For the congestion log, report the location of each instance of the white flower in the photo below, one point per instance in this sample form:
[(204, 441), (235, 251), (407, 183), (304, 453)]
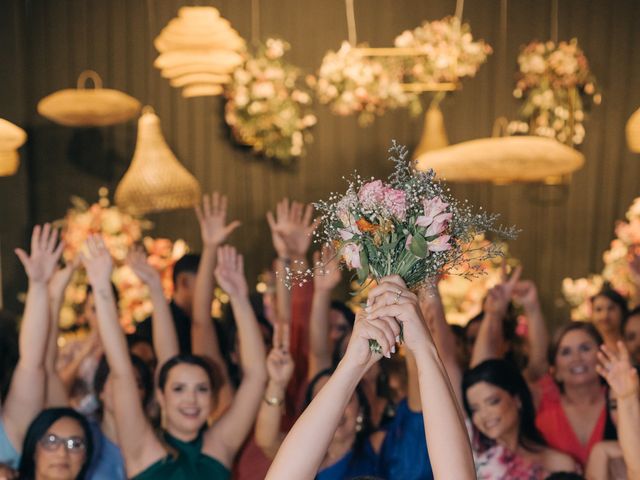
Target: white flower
[(263, 90)]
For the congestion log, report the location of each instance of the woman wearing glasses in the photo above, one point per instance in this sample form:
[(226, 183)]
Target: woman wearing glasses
[(57, 445)]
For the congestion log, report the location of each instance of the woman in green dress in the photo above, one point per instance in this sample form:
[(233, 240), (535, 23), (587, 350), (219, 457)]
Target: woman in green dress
[(190, 449)]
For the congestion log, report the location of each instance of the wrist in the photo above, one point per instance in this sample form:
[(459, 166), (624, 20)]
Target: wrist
[(275, 389)]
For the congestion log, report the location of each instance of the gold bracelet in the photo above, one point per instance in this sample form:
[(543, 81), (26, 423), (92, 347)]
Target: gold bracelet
[(273, 401)]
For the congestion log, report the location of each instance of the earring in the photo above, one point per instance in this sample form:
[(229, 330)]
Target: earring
[(359, 422)]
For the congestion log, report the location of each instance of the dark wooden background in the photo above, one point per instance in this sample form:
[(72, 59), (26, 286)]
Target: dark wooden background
[(45, 44)]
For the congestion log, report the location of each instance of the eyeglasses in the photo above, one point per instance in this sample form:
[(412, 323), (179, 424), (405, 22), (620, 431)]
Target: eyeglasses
[(51, 443)]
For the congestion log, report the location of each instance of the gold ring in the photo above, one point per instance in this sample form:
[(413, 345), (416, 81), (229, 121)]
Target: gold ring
[(398, 295)]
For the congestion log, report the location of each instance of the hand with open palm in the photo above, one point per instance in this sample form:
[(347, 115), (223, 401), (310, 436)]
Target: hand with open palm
[(291, 229), (212, 217), (41, 263)]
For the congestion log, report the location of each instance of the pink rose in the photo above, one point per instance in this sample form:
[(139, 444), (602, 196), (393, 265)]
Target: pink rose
[(439, 224), (351, 255), (432, 208), (371, 194), (395, 201), (440, 244)]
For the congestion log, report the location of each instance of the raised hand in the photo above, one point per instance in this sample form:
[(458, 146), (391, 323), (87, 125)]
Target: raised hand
[(327, 275), (137, 261), (97, 261), (498, 297), (44, 257), (230, 272), (62, 276), (212, 216), (291, 229), (525, 293), (279, 362), (618, 371)]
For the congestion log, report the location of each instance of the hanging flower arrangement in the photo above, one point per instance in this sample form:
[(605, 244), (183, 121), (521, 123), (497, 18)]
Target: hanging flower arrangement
[(449, 51), (557, 87), (120, 231), (268, 106), (352, 83), (617, 270)]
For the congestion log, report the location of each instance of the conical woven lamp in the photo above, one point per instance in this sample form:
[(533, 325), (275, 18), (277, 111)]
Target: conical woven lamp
[(434, 136), (633, 132), (12, 137), (88, 107), (155, 180), (504, 160), (199, 51)]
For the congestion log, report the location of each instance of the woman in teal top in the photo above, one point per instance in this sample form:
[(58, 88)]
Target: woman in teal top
[(186, 387)]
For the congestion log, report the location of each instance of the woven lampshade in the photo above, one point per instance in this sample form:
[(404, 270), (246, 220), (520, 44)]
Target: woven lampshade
[(633, 132), (434, 136), (88, 107), (155, 180), (198, 51), (12, 137), (504, 160)]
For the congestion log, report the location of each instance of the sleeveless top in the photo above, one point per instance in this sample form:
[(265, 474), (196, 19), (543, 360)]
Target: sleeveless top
[(352, 464), (553, 423), (189, 464)]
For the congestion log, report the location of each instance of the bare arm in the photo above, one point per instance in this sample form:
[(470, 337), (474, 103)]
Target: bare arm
[(450, 454), (225, 437), (27, 391), (317, 424), (280, 368), (137, 440), (526, 294), (165, 340)]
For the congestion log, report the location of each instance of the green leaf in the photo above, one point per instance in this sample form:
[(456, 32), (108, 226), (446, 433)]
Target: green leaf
[(363, 272), (418, 246)]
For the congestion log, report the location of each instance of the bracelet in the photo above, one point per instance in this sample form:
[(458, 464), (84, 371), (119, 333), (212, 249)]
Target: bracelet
[(273, 401)]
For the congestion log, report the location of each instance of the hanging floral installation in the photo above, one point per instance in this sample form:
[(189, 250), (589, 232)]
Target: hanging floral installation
[(447, 50), (557, 87), (353, 83), (618, 272), (120, 231), (269, 106)]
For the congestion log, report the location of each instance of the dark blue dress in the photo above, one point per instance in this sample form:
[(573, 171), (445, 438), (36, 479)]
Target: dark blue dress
[(353, 464)]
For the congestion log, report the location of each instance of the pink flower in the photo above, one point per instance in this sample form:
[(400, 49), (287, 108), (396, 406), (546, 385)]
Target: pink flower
[(371, 194), (439, 224), (432, 208), (346, 233), (351, 255), (395, 201), (407, 243), (440, 244)]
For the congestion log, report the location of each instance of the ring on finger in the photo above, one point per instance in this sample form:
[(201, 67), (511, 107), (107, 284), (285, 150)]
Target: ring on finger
[(397, 297)]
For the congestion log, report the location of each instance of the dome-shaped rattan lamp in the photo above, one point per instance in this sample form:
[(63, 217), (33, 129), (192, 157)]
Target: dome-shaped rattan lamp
[(633, 132), (88, 107), (156, 180), (12, 137), (502, 160), (434, 136)]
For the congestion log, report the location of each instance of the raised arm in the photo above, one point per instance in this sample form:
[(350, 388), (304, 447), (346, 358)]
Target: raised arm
[(280, 367), (490, 341), (165, 340), (324, 281), (622, 377), (225, 437), (525, 293), (316, 426), (212, 217), (27, 391), (450, 453), (56, 392), (136, 437)]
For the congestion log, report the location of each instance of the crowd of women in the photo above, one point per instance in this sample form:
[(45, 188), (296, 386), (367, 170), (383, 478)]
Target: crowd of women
[(286, 386)]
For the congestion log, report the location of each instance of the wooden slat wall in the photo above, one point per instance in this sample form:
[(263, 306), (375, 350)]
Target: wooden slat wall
[(54, 40)]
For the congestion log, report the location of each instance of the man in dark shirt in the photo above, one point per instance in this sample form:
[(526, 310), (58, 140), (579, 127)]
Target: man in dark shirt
[(184, 281)]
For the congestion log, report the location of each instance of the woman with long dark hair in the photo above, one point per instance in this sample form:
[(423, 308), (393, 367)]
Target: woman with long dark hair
[(57, 445), (609, 308), (506, 442)]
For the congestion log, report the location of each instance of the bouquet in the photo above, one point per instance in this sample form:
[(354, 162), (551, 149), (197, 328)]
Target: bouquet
[(268, 107), (409, 226)]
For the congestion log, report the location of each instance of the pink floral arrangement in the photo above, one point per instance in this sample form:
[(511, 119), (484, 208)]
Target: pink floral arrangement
[(557, 86), (120, 231)]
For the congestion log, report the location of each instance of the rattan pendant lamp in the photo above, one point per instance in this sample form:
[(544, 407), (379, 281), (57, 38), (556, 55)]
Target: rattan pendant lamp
[(12, 137)]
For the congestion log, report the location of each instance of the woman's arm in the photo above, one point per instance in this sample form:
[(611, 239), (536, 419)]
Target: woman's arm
[(27, 391), (450, 452), (165, 340), (136, 437), (316, 426), (324, 282), (598, 463), (280, 368), (622, 377), (212, 217), (225, 437)]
